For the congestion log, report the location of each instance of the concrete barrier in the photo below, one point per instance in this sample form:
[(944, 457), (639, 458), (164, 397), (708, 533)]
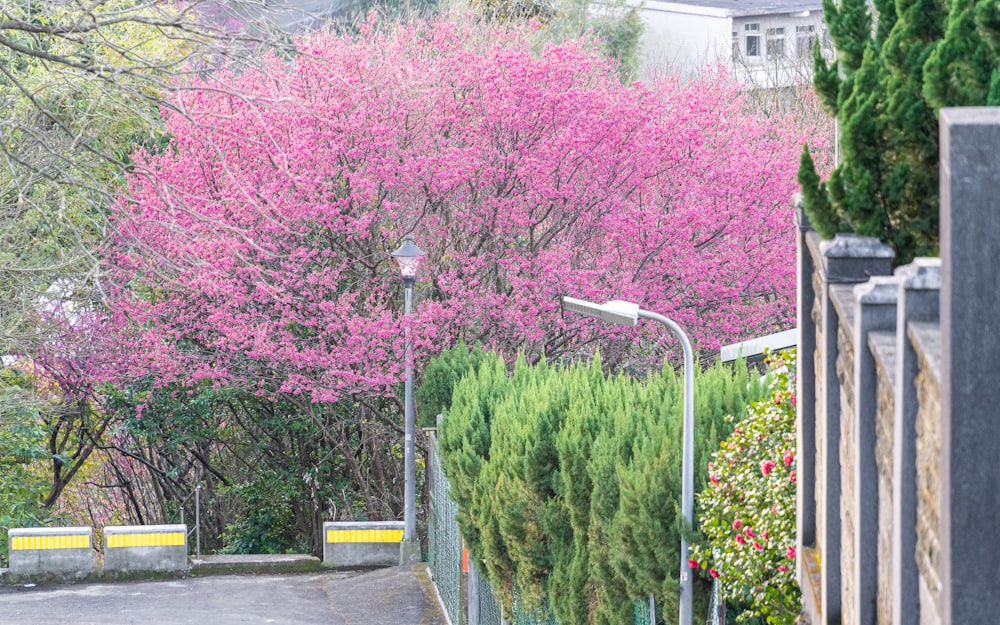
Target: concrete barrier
[(145, 548), (361, 543), (59, 551)]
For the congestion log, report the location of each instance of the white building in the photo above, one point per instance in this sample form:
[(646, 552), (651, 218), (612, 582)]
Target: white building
[(767, 43)]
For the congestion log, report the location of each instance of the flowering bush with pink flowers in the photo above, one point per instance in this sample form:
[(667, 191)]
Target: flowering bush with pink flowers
[(748, 511)]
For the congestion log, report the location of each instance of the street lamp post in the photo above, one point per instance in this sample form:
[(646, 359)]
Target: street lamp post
[(408, 256), (628, 314)]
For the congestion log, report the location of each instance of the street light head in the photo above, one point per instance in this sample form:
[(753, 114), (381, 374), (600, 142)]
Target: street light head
[(408, 256), (617, 311)]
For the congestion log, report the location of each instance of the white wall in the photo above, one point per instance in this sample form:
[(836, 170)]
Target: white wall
[(677, 41), (686, 39)]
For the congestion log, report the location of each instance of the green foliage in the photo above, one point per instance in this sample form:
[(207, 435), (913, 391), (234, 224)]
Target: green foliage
[(568, 482), (266, 522), (748, 513), (270, 475), (960, 69), (23, 455), (442, 373), (617, 24), (885, 90), (465, 440)]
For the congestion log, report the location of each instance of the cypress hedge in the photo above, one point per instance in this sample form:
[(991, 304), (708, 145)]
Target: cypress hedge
[(569, 481)]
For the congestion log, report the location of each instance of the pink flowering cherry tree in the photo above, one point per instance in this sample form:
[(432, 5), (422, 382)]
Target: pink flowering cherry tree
[(254, 249)]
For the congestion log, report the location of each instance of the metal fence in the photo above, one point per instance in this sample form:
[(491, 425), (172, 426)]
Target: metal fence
[(717, 609), (444, 542), (445, 559)]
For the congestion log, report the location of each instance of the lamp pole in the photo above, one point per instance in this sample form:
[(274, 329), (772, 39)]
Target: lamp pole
[(628, 314), (408, 256)]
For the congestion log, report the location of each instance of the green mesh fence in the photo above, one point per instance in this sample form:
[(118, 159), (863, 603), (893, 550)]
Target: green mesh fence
[(489, 608), (640, 613), (445, 548), (445, 559)]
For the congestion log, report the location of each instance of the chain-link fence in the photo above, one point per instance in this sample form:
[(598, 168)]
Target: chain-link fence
[(490, 612), (444, 542), (445, 558), (717, 609)]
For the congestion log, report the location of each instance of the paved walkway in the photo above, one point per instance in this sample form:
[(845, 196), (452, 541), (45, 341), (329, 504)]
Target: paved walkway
[(392, 596)]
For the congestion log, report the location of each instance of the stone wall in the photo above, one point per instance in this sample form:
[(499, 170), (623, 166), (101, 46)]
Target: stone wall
[(883, 346), (848, 461), (898, 396), (855, 496), (926, 339)]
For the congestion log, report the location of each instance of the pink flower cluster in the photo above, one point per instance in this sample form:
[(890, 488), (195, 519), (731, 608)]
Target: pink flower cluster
[(255, 251)]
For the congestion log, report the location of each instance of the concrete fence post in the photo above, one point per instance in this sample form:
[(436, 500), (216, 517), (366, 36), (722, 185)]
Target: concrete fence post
[(919, 301), (874, 311), (970, 352), (473, 592), (844, 260), (805, 453)]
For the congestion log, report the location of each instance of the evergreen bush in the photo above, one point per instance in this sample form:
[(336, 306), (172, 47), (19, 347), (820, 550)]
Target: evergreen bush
[(568, 481)]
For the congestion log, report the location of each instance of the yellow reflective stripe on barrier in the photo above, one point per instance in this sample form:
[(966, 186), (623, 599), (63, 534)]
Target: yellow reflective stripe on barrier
[(160, 539), (66, 541), (364, 536)]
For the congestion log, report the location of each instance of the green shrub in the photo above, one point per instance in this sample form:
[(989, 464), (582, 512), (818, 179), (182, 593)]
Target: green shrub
[(748, 514), (568, 482)]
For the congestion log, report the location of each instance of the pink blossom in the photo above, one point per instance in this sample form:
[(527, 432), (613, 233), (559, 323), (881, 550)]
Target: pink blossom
[(713, 573), (740, 539), (749, 532), (782, 568), (766, 466), (692, 563), (791, 475), (758, 546), (789, 458), (265, 229), (737, 524), (790, 552)]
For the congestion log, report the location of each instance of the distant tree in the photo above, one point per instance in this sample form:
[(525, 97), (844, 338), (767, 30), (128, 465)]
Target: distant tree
[(255, 250), (964, 67), (81, 87)]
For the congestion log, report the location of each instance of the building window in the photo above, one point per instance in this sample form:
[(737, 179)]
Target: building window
[(736, 46), (775, 43), (804, 38), (753, 39)]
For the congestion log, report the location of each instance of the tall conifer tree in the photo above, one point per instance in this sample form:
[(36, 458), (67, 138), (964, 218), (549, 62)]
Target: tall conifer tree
[(885, 90)]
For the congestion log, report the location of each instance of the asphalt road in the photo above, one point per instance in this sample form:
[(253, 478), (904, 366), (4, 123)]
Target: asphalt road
[(393, 596)]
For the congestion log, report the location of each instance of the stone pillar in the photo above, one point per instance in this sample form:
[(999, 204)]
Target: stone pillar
[(970, 351), (846, 259), (874, 311), (805, 447), (919, 300)]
